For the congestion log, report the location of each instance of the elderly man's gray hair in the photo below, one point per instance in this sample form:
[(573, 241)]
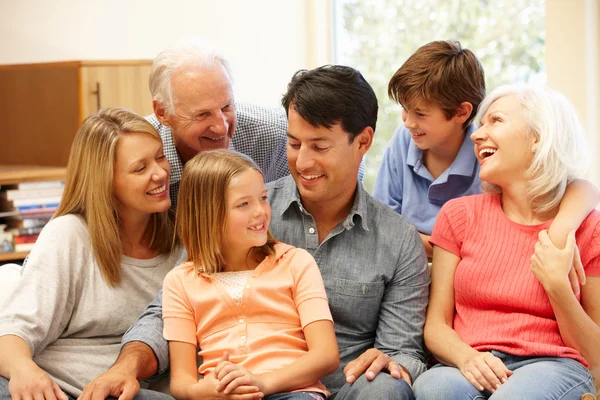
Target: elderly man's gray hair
[(188, 54)]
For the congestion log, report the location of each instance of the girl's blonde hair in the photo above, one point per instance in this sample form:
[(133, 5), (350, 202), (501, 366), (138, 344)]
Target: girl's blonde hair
[(89, 188), (202, 208)]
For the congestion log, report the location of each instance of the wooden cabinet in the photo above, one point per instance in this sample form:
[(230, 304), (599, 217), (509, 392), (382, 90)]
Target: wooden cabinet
[(15, 174), (43, 104)]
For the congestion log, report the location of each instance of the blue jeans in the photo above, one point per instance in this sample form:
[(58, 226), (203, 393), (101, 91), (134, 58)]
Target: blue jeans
[(142, 395), (295, 396), (533, 378), (383, 387)]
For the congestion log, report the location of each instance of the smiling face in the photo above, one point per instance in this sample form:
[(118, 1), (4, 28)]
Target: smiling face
[(248, 213), (322, 161), (503, 144), (429, 127), (204, 117), (141, 175)]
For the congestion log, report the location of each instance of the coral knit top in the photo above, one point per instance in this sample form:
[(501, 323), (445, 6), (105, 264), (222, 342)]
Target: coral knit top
[(499, 303)]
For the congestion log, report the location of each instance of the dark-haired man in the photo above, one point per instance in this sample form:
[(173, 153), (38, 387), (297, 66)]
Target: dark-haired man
[(372, 261)]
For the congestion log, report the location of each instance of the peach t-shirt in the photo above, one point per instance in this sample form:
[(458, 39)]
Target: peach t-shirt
[(264, 332)]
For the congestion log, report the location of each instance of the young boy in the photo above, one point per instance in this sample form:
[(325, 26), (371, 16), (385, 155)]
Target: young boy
[(430, 159)]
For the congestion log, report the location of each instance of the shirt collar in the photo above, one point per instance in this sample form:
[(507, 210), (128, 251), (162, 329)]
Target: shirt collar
[(291, 200), (464, 163)]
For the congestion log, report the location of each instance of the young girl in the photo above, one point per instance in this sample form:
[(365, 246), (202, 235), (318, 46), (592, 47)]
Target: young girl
[(256, 308)]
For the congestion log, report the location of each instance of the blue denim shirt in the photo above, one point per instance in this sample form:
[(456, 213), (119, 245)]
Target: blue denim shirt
[(404, 183), (375, 274)]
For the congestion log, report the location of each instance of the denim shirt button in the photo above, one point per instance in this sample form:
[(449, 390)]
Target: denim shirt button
[(311, 230)]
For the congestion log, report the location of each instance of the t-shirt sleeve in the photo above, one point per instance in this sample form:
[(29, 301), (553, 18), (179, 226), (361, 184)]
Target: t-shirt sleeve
[(178, 313), (390, 180), (38, 309), (450, 227), (590, 254), (309, 291)]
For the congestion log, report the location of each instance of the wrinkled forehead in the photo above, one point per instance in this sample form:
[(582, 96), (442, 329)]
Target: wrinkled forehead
[(201, 89)]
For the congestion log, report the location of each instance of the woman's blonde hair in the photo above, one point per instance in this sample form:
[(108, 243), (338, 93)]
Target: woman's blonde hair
[(561, 152), (89, 188), (202, 208)]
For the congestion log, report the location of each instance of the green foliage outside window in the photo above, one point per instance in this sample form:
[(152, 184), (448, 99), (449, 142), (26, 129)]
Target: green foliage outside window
[(377, 36)]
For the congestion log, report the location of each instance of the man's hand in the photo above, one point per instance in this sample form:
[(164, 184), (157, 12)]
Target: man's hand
[(28, 381), (116, 382), (372, 362)]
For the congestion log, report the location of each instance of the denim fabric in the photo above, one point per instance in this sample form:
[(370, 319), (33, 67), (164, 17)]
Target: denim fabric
[(404, 183), (295, 396), (375, 274), (383, 387), (534, 378)]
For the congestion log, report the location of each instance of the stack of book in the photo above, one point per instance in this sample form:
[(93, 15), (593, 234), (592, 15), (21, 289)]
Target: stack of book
[(25, 208)]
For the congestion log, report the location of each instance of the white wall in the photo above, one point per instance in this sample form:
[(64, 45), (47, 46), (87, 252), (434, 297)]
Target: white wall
[(265, 40), (572, 62)]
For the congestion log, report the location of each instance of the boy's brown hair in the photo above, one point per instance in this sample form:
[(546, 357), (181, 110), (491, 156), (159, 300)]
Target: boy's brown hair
[(442, 74)]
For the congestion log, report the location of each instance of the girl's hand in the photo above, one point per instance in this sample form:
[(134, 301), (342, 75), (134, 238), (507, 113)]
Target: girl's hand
[(550, 265), (28, 381), (485, 371), (210, 381), (232, 376)]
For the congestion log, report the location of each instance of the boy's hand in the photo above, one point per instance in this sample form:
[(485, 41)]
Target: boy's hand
[(552, 266), (577, 273)]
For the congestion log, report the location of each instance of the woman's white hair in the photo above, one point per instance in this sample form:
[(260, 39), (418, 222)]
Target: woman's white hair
[(561, 152), (188, 54)]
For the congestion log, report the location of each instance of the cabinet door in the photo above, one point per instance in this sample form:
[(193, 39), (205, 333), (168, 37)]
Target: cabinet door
[(123, 86), (39, 105)]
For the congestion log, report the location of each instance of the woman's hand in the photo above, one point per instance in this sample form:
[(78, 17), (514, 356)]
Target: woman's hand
[(485, 371), (231, 376), (28, 381), (551, 265)]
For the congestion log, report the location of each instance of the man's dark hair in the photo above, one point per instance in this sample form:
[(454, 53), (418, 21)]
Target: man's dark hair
[(330, 95)]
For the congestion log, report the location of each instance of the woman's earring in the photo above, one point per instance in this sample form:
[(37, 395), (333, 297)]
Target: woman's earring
[(534, 149)]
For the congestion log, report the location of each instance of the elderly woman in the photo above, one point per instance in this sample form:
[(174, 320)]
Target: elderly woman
[(502, 319), (96, 264)]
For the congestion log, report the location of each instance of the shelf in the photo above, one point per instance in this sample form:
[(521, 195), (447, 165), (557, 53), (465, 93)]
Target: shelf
[(13, 174), (14, 256)]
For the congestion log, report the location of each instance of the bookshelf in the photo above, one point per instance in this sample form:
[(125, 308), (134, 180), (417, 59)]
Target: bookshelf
[(14, 174)]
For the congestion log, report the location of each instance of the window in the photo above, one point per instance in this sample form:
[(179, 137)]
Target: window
[(377, 36)]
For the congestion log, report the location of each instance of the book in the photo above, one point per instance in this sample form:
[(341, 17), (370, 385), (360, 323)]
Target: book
[(34, 201), (20, 239), (17, 194), (23, 247), (40, 185)]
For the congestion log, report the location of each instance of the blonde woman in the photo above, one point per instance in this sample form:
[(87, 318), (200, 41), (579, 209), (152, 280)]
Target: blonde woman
[(256, 308), (503, 319), (96, 264)]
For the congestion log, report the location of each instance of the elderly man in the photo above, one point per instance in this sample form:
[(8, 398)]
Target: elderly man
[(372, 261), (195, 110)]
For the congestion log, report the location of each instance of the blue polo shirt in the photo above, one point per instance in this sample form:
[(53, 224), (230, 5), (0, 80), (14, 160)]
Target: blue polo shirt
[(405, 184)]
